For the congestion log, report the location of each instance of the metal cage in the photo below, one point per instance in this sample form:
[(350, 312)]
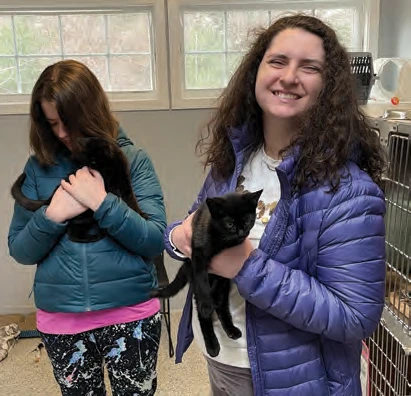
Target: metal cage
[(388, 351), (396, 137), (389, 367)]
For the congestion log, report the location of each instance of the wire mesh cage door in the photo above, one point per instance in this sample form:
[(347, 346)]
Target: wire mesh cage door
[(388, 360), (398, 225), (389, 349)]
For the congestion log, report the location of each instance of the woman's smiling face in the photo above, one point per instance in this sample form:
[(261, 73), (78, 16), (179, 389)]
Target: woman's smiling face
[(289, 78)]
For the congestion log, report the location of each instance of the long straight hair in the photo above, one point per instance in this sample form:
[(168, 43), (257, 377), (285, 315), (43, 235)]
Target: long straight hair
[(81, 103)]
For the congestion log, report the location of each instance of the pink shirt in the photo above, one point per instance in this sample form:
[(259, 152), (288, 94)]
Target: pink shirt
[(78, 322)]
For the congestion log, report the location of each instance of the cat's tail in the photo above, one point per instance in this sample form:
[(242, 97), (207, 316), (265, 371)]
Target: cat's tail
[(181, 279), (27, 203)]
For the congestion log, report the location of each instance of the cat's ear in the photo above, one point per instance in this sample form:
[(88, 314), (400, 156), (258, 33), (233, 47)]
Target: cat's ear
[(255, 196), (214, 206)]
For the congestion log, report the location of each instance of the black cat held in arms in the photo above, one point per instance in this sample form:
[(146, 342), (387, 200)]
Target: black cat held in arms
[(106, 157), (218, 224)]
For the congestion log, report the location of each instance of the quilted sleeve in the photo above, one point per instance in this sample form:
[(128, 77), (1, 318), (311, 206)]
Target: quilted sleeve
[(32, 235), (138, 235), (345, 299)]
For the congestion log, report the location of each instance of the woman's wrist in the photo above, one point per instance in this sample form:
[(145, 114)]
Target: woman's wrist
[(97, 203), (54, 216)]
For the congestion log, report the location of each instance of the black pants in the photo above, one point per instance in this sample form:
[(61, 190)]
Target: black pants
[(128, 350)]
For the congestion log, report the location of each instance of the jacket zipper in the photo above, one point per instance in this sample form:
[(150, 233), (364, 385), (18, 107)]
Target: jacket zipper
[(252, 352)]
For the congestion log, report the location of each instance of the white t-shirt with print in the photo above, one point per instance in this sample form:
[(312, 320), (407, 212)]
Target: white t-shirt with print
[(259, 173)]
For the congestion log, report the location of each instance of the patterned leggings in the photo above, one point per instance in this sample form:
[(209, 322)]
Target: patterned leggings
[(128, 350)]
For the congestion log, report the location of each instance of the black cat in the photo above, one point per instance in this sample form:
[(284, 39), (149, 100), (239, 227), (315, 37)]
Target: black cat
[(218, 224), (106, 157)]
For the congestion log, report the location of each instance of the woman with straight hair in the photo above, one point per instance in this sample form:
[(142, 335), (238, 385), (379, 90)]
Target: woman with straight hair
[(93, 298)]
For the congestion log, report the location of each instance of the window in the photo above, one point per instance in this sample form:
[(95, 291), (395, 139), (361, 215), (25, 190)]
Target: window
[(209, 38), (124, 45)]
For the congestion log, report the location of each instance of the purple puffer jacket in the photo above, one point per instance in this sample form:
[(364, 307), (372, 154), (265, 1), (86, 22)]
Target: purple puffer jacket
[(314, 287)]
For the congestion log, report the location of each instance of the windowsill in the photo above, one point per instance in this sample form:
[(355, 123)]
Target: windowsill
[(117, 105)]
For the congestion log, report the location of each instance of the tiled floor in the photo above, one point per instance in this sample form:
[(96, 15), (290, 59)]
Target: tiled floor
[(21, 376)]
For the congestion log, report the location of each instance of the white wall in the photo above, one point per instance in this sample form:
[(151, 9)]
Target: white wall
[(395, 29)]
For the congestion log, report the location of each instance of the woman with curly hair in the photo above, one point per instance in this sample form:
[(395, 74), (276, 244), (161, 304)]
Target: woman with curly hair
[(308, 282)]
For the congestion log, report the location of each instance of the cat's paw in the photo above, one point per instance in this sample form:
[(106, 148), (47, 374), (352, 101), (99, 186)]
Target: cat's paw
[(234, 333), (206, 308), (214, 349)]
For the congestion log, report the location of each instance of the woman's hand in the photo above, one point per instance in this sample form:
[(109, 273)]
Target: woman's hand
[(230, 261), (87, 187), (64, 207), (181, 236)]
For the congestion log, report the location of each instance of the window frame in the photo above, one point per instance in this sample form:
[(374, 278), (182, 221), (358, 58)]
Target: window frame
[(182, 98), (158, 99)]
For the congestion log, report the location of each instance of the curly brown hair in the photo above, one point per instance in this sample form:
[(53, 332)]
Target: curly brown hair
[(81, 103), (332, 131)]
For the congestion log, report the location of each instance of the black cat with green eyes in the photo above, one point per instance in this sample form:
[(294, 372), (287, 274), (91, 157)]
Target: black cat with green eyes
[(218, 224)]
